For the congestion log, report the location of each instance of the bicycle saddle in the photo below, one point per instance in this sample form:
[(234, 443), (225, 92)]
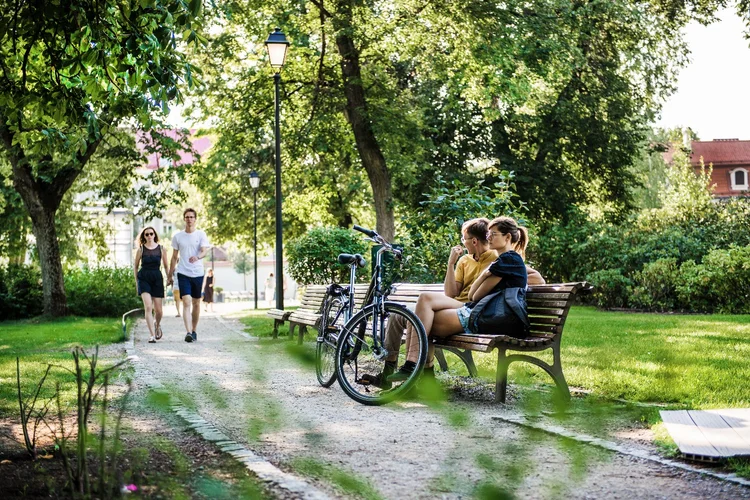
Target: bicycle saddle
[(348, 259)]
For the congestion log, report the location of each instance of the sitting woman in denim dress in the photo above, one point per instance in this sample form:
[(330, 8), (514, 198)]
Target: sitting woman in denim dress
[(443, 316)]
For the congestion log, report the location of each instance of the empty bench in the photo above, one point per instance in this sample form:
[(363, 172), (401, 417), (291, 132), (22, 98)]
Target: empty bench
[(311, 308), (548, 307)]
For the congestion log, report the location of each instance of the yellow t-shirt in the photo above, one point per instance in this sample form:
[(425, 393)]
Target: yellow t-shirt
[(468, 270)]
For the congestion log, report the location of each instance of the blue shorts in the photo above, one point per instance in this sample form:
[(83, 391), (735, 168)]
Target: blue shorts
[(463, 317), (190, 286)]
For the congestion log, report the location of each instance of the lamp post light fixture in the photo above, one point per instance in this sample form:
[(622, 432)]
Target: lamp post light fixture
[(254, 183), (277, 46)]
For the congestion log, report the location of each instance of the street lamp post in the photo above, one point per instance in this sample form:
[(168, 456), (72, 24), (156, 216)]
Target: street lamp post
[(254, 183), (277, 46)]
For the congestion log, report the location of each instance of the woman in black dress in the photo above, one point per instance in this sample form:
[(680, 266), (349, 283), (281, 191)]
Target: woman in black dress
[(208, 290), (148, 279)]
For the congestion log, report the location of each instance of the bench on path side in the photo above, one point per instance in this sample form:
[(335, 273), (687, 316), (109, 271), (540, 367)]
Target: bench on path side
[(548, 307), (311, 305)]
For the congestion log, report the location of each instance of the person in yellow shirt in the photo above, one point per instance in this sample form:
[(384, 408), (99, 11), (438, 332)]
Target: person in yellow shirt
[(462, 271)]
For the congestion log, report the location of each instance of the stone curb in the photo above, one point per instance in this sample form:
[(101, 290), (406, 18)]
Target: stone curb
[(255, 463), (556, 430)]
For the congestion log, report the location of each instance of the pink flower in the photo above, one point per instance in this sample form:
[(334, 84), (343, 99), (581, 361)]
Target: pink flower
[(132, 487)]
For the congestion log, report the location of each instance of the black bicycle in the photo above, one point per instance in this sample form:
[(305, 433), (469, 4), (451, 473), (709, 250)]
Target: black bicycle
[(371, 343)]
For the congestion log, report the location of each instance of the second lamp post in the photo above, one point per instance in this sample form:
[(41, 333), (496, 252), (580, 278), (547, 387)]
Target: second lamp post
[(254, 183), (277, 46)]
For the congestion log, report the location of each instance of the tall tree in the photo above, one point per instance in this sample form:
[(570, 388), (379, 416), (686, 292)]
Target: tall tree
[(70, 73), (558, 91)]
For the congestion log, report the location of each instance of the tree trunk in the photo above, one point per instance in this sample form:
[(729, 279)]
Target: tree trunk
[(42, 210), (42, 193), (357, 115)]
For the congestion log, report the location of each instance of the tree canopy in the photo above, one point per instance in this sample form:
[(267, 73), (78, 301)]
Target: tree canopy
[(380, 97), (71, 73)]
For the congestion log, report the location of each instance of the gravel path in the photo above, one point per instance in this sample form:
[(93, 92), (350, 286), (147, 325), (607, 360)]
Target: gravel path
[(260, 394)]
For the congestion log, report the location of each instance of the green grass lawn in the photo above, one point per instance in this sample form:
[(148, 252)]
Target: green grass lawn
[(701, 361), (41, 342)]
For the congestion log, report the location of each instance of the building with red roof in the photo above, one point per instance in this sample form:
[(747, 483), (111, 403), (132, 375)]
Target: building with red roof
[(730, 159)]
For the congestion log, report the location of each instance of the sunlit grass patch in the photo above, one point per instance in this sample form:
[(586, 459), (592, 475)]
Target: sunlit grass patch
[(695, 360), (38, 343)]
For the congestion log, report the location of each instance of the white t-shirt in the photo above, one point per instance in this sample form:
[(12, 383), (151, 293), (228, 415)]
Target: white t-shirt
[(189, 245)]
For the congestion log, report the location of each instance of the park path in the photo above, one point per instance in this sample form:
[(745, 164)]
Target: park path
[(261, 395)]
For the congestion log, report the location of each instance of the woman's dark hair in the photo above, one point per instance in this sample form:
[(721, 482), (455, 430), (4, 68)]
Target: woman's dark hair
[(519, 235), (477, 228), (142, 237)]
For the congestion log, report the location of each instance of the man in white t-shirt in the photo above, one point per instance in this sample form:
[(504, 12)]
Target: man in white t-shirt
[(189, 246)]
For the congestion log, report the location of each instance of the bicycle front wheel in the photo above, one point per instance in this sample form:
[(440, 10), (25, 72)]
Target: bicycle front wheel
[(331, 322), (361, 363)]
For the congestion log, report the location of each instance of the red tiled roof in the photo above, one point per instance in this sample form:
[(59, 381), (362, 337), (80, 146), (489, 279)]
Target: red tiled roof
[(721, 152), (200, 144)]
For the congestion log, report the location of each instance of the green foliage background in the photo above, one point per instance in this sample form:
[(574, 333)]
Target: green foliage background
[(312, 256)]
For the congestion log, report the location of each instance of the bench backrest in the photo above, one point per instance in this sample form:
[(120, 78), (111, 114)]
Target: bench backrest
[(548, 307), (548, 304), (314, 295)]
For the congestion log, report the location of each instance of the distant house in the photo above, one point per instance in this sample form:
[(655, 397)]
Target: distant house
[(730, 159)]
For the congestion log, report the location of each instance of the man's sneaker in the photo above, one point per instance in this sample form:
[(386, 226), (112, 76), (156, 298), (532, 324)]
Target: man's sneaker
[(403, 373), (195, 336), (381, 379), (188, 337)]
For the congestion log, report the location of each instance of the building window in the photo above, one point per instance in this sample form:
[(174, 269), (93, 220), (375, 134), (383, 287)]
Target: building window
[(738, 177)]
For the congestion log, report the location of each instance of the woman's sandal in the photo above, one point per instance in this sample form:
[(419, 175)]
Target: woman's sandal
[(159, 333), (151, 340)]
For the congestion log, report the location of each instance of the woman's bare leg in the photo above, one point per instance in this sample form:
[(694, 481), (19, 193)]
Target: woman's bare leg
[(437, 312), (148, 307), (159, 312)]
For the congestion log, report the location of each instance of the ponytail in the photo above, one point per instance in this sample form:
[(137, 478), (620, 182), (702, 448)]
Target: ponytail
[(519, 235)]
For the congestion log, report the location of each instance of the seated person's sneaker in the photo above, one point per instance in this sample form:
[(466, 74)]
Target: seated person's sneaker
[(379, 380), (403, 373)]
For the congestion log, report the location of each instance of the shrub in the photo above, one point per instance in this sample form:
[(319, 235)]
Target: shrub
[(101, 291), (20, 292), (313, 256), (655, 288), (611, 288), (729, 282), (693, 288)]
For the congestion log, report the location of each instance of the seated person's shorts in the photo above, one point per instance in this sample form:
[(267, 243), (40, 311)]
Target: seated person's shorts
[(192, 286), (463, 317)]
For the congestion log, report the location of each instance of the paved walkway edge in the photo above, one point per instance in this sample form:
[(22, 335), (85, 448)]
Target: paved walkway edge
[(619, 448), (255, 463)]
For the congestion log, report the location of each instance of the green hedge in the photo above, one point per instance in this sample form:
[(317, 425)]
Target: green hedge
[(102, 291), (20, 292), (720, 283), (313, 256)]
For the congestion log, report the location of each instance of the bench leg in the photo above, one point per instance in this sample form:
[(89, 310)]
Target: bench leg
[(276, 323), (465, 356), (292, 326), (554, 371), (440, 357), (501, 383), (302, 332)]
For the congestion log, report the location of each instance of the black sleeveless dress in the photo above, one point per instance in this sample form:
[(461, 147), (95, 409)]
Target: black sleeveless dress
[(208, 292), (150, 279)]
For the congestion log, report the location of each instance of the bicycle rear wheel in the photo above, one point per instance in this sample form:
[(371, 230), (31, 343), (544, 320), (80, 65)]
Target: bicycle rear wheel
[(360, 364), (331, 321)]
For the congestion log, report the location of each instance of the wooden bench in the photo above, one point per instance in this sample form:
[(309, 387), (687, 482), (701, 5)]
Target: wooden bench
[(548, 307), (311, 305)]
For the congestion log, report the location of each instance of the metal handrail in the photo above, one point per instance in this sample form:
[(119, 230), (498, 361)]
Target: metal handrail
[(124, 316)]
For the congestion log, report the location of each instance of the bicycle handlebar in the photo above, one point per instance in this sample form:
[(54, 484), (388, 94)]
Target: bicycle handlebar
[(378, 239), (368, 232)]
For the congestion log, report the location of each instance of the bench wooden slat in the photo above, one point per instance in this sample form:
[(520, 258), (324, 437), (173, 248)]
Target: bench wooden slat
[(533, 302), (545, 312)]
